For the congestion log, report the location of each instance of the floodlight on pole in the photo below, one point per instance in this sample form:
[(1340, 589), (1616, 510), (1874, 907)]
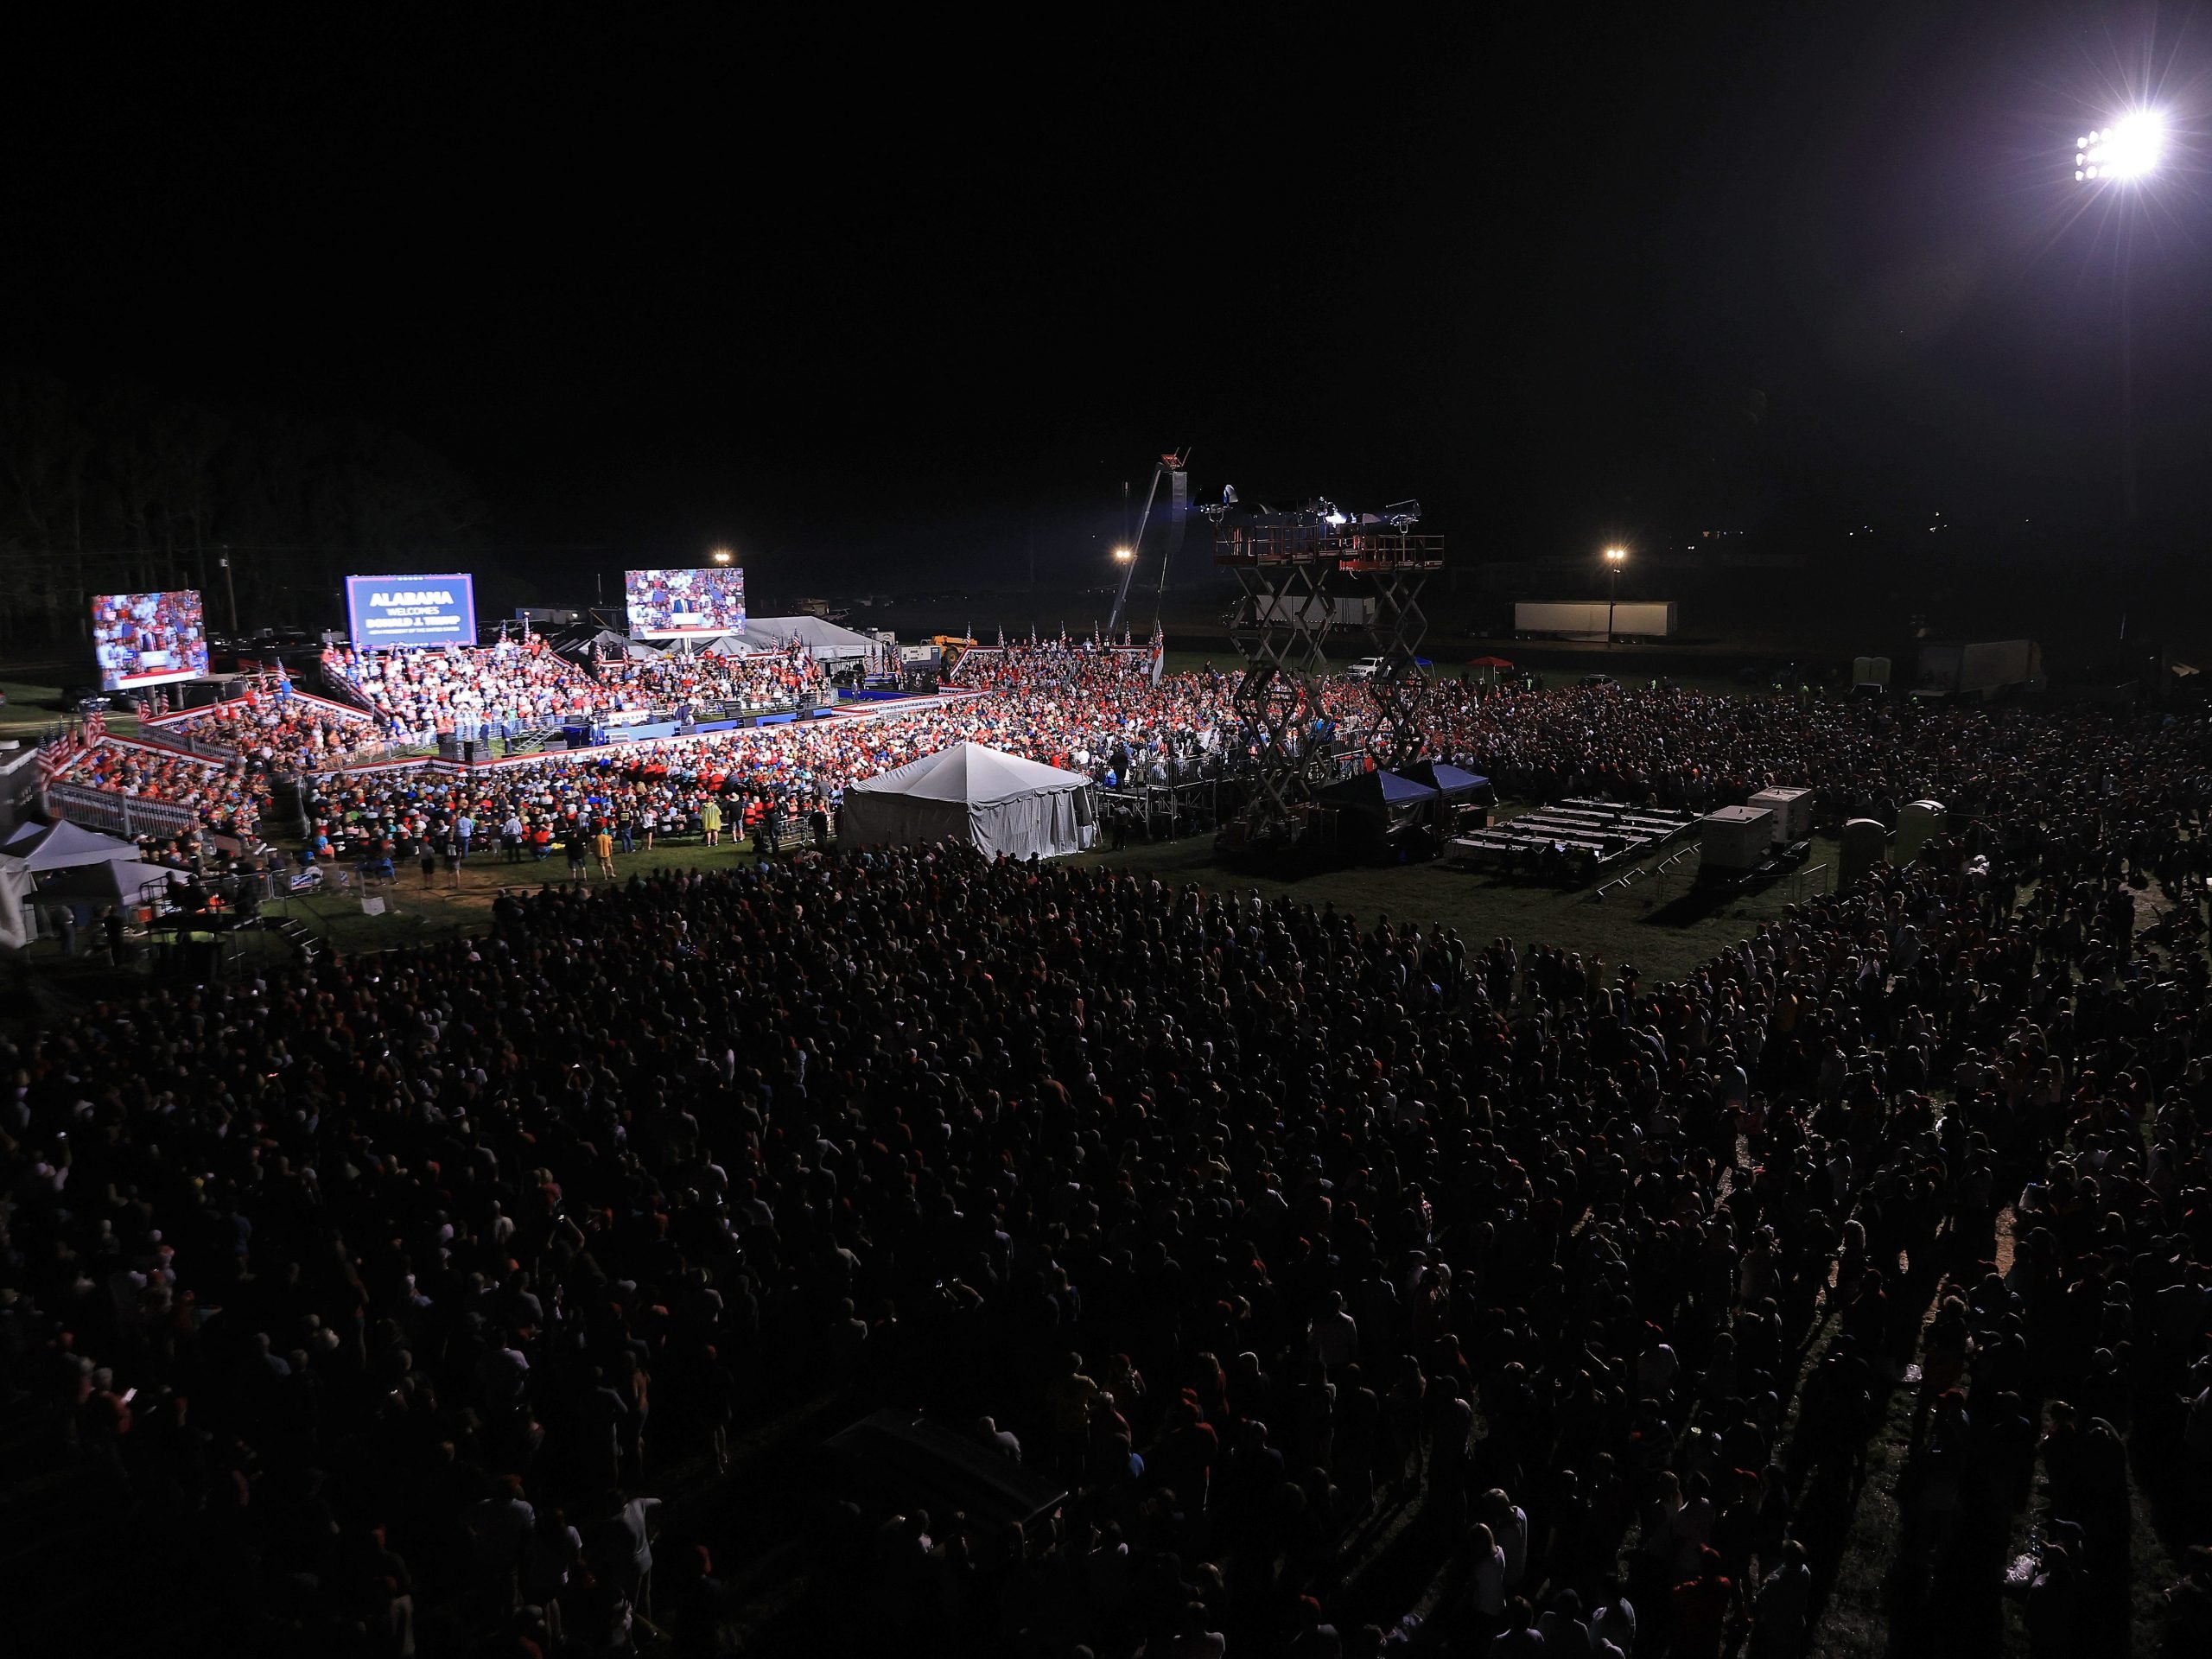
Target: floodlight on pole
[(1123, 555), (2131, 148), (721, 555), (1615, 557), (2128, 152)]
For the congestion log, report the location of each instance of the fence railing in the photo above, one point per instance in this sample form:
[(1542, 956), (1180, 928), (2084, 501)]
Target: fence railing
[(1161, 811), (162, 737), (125, 815)]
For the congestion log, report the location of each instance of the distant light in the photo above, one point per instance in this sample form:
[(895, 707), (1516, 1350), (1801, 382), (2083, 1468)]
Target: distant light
[(721, 555), (2131, 148), (1122, 555)]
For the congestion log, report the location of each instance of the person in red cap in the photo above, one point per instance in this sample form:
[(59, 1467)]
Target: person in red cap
[(1701, 1608)]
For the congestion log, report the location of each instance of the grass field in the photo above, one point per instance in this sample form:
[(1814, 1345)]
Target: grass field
[(31, 708)]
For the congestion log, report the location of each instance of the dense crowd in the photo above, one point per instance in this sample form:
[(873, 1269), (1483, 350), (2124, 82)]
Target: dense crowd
[(228, 796), (788, 773), (1080, 665), (425, 692), (1365, 1287), (517, 685), (1680, 748), (1066, 707), (682, 680), (275, 732)]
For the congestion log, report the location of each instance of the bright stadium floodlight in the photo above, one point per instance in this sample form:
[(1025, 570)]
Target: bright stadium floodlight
[(2131, 152), (1123, 555), (1615, 557), (2129, 149), (721, 555)]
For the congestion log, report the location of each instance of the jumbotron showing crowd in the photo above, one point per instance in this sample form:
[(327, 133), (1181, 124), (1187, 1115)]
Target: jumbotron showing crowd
[(1366, 1288)]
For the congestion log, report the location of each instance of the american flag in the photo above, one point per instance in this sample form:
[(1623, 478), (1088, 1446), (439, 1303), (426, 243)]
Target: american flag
[(56, 754)]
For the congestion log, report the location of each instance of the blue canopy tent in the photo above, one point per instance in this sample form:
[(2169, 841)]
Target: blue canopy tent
[(1382, 815), (1455, 784)]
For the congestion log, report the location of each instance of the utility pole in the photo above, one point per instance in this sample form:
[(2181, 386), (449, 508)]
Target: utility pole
[(231, 582)]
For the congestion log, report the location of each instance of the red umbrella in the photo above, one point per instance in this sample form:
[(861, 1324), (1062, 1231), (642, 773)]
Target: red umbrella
[(1490, 662)]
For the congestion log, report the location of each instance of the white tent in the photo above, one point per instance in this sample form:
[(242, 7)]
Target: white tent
[(824, 640), (996, 802), (14, 888), (124, 879), (592, 645), (65, 845)]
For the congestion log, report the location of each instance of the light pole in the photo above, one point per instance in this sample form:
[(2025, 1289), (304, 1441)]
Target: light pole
[(2122, 156), (1615, 557), (230, 583)]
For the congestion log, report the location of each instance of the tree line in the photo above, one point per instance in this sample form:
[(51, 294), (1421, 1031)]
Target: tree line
[(125, 490)]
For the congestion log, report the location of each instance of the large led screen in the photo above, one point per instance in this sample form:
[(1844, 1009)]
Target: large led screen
[(384, 611), (147, 638), (681, 604)]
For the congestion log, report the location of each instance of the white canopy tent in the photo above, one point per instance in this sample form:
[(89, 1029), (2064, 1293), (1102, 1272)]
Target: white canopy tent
[(14, 888), (824, 640), (620, 645), (996, 801), (64, 845), (127, 880)]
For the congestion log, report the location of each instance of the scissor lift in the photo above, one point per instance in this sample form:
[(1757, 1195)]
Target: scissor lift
[(1293, 568)]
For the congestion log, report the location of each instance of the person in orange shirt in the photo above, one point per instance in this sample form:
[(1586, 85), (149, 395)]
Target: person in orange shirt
[(603, 847)]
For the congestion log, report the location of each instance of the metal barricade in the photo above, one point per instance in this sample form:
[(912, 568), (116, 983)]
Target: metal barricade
[(1161, 811), (125, 815)]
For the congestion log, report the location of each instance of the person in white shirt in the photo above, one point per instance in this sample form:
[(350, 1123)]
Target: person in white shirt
[(1486, 1580), (1509, 1525), (1335, 1338)]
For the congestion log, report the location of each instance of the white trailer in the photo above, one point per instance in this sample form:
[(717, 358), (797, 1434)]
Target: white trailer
[(1987, 666), (1735, 838), (1587, 618), (1792, 810)]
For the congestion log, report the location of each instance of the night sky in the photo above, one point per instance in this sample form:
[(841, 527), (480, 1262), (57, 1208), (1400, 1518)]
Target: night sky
[(908, 292)]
